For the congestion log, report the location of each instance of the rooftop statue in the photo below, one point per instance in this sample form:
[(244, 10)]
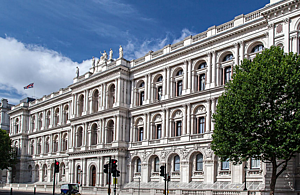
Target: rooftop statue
[(77, 72), (93, 62), (121, 52), (110, 54)]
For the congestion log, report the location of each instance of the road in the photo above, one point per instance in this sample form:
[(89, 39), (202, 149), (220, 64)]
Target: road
[(16, 192)]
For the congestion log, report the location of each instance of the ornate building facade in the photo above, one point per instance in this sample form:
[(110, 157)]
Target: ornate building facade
[(153, 111)]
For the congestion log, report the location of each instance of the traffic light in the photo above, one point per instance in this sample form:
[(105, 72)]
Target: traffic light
[(169, 178), (56, 167), (105, 168), (113, 165), (162, 171), (117, 173)]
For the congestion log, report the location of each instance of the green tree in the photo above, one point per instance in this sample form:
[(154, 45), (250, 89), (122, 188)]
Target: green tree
[(6, 152), (258, 115)]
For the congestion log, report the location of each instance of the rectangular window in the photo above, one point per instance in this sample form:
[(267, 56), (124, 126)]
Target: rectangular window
[(141, 132), (201, 125), (225, 165), (255, 164), (159, 92), (142, 95), (227, 74), (178, 128), (158, 131), (179, 88), (202, 82)]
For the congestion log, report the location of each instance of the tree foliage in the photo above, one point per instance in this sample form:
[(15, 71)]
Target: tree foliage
[(258, 115), (6, 152)]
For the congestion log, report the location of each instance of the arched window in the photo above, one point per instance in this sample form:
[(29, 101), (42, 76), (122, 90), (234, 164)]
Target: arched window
[(228, 57), (93, 176), (17, 126), (66, 114), (158, 131), (80, 105), (156, 164), (202, 65), (199, 162), (79, 137), (65, 142), (55, 143), (158, 88), (37, 171), (110, 131), (32, 123), (159, 79), (257, 48), (95, 101), (39, 146), (111, 96), (78, 173), (48, 119), (141, 93), (56, 117), (94, 134), (32, 148), (47, 145), (179, 72), (142, 84), (138, 165), (40, 121), (176, 163)]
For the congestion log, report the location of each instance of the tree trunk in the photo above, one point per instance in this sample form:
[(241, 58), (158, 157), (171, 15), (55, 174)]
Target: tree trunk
[(273, 177)]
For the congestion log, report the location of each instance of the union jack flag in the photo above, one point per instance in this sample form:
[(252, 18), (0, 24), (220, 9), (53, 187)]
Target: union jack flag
[(29, 86)]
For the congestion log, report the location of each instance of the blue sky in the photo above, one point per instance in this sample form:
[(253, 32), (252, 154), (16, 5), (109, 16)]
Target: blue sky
[(43, 41)]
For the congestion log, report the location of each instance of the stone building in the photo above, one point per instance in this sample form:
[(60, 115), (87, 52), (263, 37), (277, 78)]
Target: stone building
[(4, 124), (153, 111)]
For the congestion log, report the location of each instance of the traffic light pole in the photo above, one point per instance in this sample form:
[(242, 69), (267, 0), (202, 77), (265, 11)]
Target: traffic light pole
[(54, 178), (165, 176), (109, 175)]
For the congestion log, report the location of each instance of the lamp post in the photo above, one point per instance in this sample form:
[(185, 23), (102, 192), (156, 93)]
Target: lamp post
[(245, 167)]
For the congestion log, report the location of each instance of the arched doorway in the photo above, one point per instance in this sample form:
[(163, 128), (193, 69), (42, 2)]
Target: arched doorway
[(93, 176)]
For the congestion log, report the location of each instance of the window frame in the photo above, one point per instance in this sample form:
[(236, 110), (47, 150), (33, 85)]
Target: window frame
[(176, 163)]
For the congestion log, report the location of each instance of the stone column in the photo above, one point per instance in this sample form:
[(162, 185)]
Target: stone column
[(236, 60), (242, 54), (103, 140), (84, 172), (149, 88), (286, 32), (168, 83), (118, 127), (148, 127), (86, 102), (165, 82), (218, 77), (104, 93), (188, 119), (271, 34), (208, 75), (132, 94), (208, 121), (185, 76), (184, 120), (213, 110), (213, 76), (190, 70), (184, 171), (164, 126)]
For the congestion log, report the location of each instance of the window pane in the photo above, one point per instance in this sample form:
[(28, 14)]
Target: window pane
[(156, 164), (199, 162), (176, 163), (179, 88), (225, 165), (255, 164), (178, 128), (138, 167), (158, 136), (227, 74)]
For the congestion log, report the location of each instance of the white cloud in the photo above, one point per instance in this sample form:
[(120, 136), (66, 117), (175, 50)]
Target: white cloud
[(134, 49), (23, 64)]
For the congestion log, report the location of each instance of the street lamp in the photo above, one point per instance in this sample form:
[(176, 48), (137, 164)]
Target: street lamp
[(245, 167)]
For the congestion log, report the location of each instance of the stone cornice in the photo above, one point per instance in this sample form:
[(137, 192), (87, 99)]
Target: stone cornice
[(96, 152)]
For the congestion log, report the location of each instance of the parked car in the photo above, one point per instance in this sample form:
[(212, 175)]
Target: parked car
[(70, 189)]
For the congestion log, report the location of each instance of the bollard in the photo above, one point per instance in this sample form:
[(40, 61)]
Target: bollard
[(34, 190), (10, 191)]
